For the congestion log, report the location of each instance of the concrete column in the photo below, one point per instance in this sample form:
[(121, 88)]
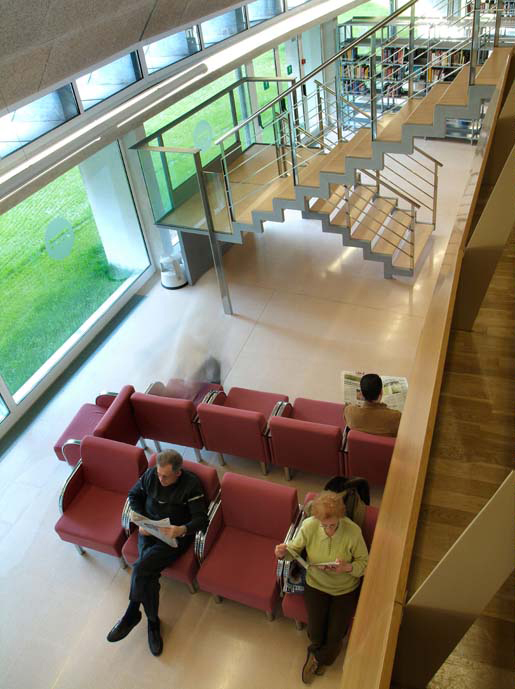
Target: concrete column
[(111, 202)]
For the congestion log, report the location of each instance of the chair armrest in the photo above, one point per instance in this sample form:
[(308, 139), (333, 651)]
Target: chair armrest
[(71, 487), (280, 409), (211, 397), (205, 540), (126, 517), (105, 399), (281, 563), (71, 442)]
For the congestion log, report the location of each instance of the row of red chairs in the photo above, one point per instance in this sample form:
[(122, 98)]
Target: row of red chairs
[(233, 559), (307, 435)]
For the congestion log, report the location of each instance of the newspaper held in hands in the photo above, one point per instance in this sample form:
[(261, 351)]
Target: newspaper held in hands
[(395, 389), (307, 565), (154, 526)]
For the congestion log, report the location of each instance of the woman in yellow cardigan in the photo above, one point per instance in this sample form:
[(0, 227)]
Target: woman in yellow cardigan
[(331, 590)]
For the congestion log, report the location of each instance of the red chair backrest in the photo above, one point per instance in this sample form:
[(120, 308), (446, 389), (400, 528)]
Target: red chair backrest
[(208, 478), (166, 419), (369, 524), (260, 507), (369, 456), (111, 465), (313, 447), (234, 431), (118, 423)]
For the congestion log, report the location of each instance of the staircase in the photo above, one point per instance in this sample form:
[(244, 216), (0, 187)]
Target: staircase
[(316, 156)]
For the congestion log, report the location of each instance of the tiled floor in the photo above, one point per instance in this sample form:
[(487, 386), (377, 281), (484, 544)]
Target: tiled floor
[(305, 308)]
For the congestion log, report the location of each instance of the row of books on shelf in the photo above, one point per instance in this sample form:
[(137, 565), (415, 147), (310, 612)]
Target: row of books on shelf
[(355, 71)]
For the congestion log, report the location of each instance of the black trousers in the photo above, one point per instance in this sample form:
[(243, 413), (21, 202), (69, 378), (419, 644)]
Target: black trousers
[(154, 556), (328, 620)]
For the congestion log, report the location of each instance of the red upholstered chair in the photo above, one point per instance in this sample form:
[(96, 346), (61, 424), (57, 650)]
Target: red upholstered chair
[(293, 604), (85, 422), (239, 563), (369, 456), (308, 436), (186, 567), (94, 495), (237, 423)]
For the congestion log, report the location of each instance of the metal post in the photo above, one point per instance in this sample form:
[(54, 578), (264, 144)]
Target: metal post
[(474, 43), (213, 242), (293, 138), (411, 48), (498, 16), (378, 181), (166, 171), (320, 116), (412, 236), (234, 116), (435, 192), (294, 104), (279, 151), (347, 206), (338, 105), (227, 183), (373, 95)]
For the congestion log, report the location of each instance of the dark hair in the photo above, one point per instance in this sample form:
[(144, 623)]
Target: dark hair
[(371, 386), (169, 457)]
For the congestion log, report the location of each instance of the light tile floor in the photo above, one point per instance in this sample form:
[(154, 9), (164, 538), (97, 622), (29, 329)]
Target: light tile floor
[(305, 308)]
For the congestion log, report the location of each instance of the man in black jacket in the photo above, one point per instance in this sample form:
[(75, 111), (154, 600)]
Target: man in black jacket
[(166, 490)]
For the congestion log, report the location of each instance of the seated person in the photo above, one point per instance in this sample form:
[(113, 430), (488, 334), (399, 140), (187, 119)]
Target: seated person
[(165, 490), (331, 590), (374, 416)]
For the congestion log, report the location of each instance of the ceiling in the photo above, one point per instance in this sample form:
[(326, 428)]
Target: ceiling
[(43, 42)]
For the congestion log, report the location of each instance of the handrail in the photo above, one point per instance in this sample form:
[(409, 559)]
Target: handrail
[(343, 100), (419, 150), (204, 104), (323, 66), (397, 191)]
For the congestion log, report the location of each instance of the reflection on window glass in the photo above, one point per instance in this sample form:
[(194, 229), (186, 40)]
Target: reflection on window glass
[(171, 49), (65, 250), (4, 412), (25, 124), (222, 27), (295, 3), (261, 10), (108, 80)]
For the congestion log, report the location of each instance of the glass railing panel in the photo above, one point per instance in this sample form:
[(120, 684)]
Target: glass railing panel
[(4, 411), (19, 128), (222, 27), (218, 202), (107, 80), (171, 49)]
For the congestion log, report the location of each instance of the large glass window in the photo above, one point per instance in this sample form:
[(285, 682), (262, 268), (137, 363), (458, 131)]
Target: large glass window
[(68, 251), (222, 27), (31, 121), (168, 50), (108, 80), (261, 10)]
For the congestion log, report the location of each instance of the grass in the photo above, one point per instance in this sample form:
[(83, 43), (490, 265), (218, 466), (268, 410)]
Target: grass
[(44, 300)]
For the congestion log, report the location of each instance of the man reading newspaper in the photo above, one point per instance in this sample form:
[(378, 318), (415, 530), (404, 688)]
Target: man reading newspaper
[(369, 413), (165, 492)]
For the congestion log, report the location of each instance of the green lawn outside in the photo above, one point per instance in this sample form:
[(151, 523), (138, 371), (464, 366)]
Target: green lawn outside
[(44, 300)]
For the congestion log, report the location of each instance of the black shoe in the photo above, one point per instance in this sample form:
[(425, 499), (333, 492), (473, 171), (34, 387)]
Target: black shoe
[(310, 668), (124, 627), (155, 642)]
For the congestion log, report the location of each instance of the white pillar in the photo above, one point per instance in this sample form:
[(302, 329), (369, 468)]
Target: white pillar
[(111, 202)]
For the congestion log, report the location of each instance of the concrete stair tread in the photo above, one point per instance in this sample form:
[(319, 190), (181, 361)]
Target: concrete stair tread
[(334, 161), (360, 146), (392, 130), (424, 114), (458, 91), (374, 219), (422, 233), (282, 188), (327, 205), (359, 199), (393, 234)]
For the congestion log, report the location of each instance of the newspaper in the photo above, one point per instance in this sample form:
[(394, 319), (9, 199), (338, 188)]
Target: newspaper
[(395, 389), (306, 565), (154, 526)]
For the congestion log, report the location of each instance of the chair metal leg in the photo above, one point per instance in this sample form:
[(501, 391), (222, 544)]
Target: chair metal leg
[(143, 444), (270, 616), (218, 599), (221, 459), (123, 563), (299, 625), (81, 550), (264, 468), (157, 445), (198, 455), (193, 587), (287, 473)]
